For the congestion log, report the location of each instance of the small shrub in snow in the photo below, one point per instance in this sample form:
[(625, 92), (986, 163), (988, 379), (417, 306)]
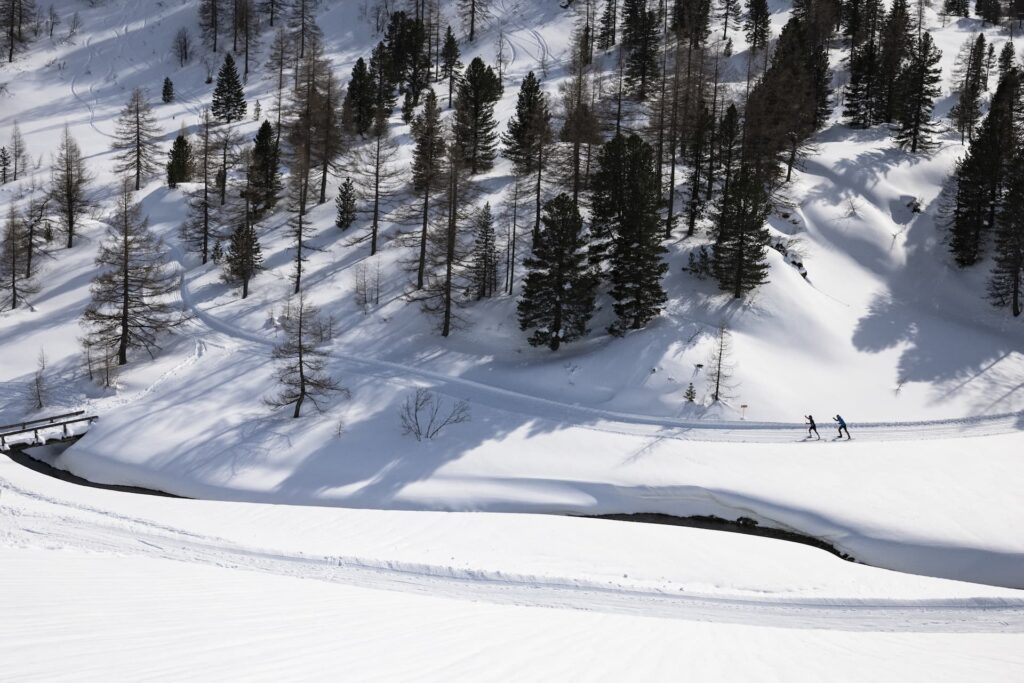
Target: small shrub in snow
[(425, 415)]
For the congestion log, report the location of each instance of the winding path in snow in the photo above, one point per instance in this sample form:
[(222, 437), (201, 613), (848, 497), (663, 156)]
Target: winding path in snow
[(57, 523), (615, 421)]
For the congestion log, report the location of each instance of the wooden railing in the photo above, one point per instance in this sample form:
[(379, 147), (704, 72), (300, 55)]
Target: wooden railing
[(33, 426)]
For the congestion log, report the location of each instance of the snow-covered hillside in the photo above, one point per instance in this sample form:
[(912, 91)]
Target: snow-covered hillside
[(883, 329)]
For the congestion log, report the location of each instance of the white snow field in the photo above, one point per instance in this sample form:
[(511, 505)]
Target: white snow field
[(101, 585), (366, 577)]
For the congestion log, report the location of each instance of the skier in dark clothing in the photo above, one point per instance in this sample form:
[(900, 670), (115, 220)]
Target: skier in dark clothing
[(812, 427), (842, 426)]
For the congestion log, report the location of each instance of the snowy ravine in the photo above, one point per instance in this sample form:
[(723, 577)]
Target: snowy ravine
[(336, 544), (187, 588)]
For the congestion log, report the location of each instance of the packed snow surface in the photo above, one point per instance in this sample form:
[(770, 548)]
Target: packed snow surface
[(884, 330), (101, 584)]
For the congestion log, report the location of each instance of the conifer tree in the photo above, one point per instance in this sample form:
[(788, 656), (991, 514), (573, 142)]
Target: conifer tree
[(981, 176), (302, 359), (167, 93), (179, 164), (427, 170), (228, 97), (473, 13), (895, 48), (956, 8), (720, 368), (625, 224), (327, 134), (377, 174), (607, 32), (558, 292), (69, 185), (135, 139), (1007, 57), (5, 165), (346, 205), (991, 11), (1005, 281), (450, 64), (358, 107), (265, 174), (528, 138), (198, 229), (484, 255), (477, 93), (739, 260), (244, 257), (919, 85), (640, 39), (210, 15), (967, 110), (729, 11), (302, 24), (19, 153), (16, 273), (129, 308), (757, 25), (581, 130)]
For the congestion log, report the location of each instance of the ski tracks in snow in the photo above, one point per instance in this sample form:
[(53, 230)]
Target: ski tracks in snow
[(31, 519)]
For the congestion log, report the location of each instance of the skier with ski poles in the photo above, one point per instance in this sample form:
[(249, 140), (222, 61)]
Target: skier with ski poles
[(842, 426), (812, 427)]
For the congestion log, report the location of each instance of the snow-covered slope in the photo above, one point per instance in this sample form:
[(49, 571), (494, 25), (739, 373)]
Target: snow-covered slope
[(883, 330), (192, 588)]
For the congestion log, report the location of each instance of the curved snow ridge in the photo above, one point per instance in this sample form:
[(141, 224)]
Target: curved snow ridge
[(98, 531)]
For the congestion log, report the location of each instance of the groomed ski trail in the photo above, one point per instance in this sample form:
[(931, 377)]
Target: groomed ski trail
[(60, 524)]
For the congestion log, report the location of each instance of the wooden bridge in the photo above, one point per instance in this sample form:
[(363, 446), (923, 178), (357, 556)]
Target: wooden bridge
[(9, 433)]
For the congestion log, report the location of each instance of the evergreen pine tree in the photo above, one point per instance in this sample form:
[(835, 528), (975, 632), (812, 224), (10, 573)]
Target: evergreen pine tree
[(626, 226), (477, 93), (729, 11), (265, 175), (991, 11), (357, 110), (346, 205), (967, 110), (956, 8), (179, 165), (640, 38), (895, 48), (129, 307), (135, 139), (1005, 281), (607, 32), (484, 255), (69, 185), (5, 165), (528, 137), (919, 85), (244, 258), (757, 25), (450, 64), (558, 292), (427, 171), (981, 176), (228, 97), (691, 394), (1007, 57), (167, 94), (739, 259)]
